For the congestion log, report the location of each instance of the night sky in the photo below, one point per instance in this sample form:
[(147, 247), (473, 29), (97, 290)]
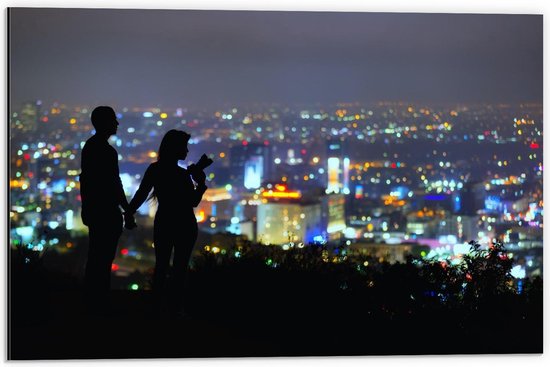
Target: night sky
[(207, 58)]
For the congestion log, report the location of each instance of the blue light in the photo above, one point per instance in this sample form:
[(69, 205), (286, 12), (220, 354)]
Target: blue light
[(147, 114), (319, 239), (458, 204), (58, 186), (435, 197)]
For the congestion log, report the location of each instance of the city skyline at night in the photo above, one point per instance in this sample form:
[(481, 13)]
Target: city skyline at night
[(385, 173)]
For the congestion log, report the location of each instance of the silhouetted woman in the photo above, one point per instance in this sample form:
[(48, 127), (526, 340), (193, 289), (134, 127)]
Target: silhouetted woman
[(175, 222)]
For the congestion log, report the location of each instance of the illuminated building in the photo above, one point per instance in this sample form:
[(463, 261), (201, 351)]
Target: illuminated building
[(250, 164), (253, 172), (284, 217), (466, 227), (333, 173), (291, 159), (345, 177), (337, 169), (333, 216), (216, 203), (238, 227), (424, 223)]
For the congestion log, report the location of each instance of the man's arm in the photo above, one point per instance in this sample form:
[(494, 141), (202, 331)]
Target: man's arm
[(120, 195)]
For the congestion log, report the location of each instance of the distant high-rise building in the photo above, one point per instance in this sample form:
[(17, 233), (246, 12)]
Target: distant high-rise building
[(471, 199), (467, 228), (333, 173), (345, 176), (216, 203), (251, 164), (287, 217), (254, 172), (333, 215), (337, 168)]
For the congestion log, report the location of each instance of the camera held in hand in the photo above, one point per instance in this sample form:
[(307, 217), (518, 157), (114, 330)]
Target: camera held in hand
[(203, 162)]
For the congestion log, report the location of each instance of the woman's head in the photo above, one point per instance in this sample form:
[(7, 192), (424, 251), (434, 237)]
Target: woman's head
[(174, 145)]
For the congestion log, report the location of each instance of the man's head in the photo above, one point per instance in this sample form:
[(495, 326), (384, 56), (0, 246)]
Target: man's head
[(104, 120)]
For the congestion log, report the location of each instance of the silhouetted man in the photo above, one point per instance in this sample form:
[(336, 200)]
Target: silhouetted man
[(102, 196)]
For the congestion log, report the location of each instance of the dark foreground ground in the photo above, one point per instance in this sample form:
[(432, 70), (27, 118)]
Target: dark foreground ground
[(60, 329), (304, 306)]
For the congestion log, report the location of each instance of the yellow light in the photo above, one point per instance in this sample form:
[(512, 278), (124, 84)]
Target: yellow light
[(222, 155), (280, 187), (152, 154), (282, 195), (163, 115), (201, 216), (72, 121)]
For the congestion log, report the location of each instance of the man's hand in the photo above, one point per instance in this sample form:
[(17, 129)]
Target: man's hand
[(129, 221)]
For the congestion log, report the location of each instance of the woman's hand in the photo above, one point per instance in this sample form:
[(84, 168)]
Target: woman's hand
[(199, 177), (129, 221)]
